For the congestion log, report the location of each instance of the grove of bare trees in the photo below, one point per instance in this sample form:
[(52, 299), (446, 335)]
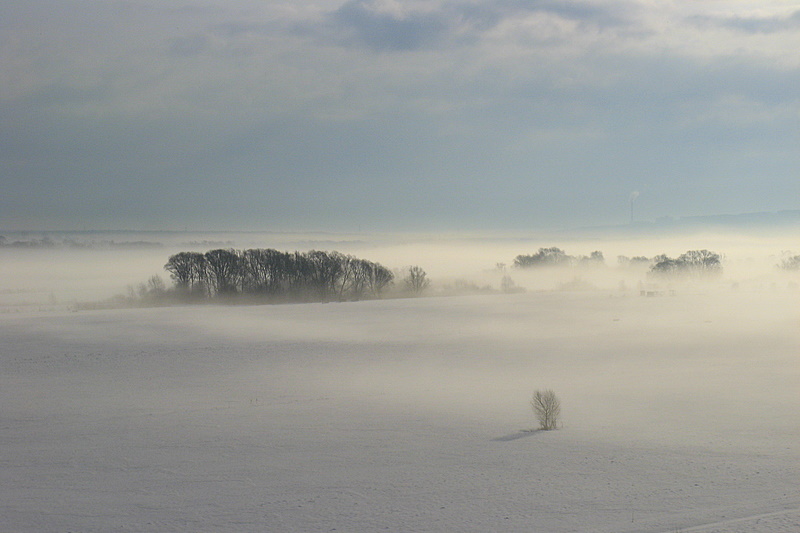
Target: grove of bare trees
[(692, 264), (556, 257), (274, 275), (269, 275)]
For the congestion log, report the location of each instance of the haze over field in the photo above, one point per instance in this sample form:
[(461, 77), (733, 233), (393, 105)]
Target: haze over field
[(409, 414), (679, 413), (89, 267)]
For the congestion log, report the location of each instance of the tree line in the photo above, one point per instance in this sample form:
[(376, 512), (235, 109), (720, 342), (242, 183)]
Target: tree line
[(693, 263), (556, 257), (269, 275), (275, 275), (49, 244)]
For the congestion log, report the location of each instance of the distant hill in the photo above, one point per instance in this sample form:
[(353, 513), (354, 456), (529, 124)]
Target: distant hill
[(742, 220)]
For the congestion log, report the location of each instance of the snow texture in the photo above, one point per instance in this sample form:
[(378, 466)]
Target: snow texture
[(679, 414)]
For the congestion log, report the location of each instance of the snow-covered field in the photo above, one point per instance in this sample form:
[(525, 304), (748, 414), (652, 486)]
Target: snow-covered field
[(680, 413)]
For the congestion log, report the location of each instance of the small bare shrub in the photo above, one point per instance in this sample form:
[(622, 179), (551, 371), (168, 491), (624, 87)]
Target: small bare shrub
[(547, 408)]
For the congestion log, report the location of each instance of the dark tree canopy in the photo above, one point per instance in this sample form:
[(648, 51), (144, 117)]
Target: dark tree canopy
[(556, 257), (791, 262), (187, 269), (286, 276), (694, 263), (223, 269), (544, 257)]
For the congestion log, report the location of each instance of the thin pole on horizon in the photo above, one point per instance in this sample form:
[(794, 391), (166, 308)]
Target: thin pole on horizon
[(634, 196)]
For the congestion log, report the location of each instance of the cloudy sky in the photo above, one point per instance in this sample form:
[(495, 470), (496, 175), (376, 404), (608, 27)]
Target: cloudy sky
[(394, 115)]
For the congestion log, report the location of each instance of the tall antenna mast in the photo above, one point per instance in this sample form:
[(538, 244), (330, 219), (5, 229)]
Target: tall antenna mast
[(634, 196)]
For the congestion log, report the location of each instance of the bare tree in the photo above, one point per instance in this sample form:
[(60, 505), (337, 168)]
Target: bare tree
[(156, 285), (352, 278), (379, 278), (188, 270), (223, 270), (324, 269), (692, 264), (790, 262), (595, 259), (544, 257), (416, 280), (547, 408), (507, 285), (180, 268)]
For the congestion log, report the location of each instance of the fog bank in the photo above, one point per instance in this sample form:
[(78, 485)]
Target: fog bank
[(58, 277)]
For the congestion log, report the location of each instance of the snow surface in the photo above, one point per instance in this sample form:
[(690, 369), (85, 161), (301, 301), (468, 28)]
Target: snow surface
[(679, 414)]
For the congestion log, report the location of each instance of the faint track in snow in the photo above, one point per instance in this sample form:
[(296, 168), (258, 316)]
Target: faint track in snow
[(743, 519), (518, 435)]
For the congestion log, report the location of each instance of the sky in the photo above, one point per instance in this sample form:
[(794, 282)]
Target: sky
[(394, 115)]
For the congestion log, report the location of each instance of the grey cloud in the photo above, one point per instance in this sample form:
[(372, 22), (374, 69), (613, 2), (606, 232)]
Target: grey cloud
[(486, 15), (592, 14), (230, 37), (283, 104), (384, 31), (59, 94), (237, 29), (362, 22), (188, 46), (752, 24)]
